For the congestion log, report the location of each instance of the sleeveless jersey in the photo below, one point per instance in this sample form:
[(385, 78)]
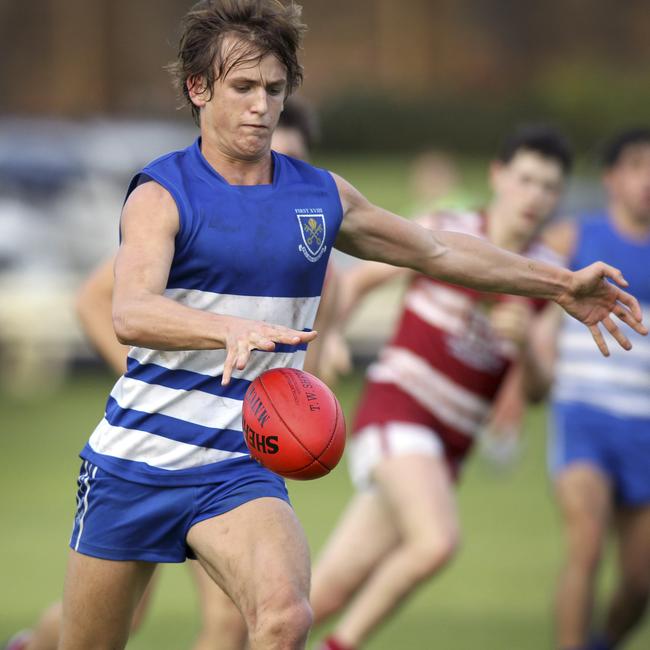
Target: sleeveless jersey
[(619, 384), (257, 252), (444, 353)]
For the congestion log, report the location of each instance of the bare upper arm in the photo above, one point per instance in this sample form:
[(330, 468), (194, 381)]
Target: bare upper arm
[(148, 227), (370, 232)]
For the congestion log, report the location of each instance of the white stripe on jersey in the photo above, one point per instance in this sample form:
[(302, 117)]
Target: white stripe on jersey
[(297, 313), (430, 312), (449, 402), (611, 374), (192, 406), (622, 405), (156, 451), (579, 342)]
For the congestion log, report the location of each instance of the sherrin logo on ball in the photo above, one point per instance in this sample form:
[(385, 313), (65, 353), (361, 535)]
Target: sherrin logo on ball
[(293, 424)]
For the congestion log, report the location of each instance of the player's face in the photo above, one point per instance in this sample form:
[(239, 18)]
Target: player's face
[(290, 142), (527, 189), (628, 183), (244, 108)]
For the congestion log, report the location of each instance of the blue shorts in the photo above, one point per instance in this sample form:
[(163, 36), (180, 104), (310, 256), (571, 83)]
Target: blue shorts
[(122, 520), (619, 447)]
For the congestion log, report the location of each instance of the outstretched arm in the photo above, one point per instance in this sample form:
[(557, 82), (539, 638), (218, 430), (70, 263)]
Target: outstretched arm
[(143, 316), (370, 232)]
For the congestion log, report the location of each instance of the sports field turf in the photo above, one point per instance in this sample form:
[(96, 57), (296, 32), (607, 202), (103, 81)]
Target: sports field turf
[(495, 596)]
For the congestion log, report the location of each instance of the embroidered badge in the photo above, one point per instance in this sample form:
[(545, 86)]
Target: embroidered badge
[(312, 229)]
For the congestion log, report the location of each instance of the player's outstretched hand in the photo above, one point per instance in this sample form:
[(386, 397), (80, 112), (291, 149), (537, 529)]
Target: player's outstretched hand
[(592, 299), (243, 336)]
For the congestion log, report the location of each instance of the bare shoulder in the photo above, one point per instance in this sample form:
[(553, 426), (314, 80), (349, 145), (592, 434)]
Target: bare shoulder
[(349, 195), (150, 205), (561, 237)]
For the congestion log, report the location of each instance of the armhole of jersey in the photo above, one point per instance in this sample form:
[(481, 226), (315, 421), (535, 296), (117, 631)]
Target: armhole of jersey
[(334, 187)]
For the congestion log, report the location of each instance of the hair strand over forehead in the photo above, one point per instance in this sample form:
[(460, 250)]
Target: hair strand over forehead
[(261, 27)]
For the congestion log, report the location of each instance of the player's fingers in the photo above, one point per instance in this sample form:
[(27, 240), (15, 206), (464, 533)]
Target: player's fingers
[(599, 339), (243, 355), (262, 343), (292, 337), (613, 329), (305, 337), (613, 273), (628, 318), (227, 367), (632, 305)]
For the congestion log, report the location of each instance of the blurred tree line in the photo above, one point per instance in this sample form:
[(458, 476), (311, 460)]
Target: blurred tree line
[(386, 74)]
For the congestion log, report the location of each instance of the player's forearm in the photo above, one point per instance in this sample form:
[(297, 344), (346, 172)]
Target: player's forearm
[(540, 354), (473, 262), (94, 313), (156, 322), (537, 376)]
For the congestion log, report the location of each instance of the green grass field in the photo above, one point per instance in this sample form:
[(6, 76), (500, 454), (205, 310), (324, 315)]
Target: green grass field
[(496, 596)]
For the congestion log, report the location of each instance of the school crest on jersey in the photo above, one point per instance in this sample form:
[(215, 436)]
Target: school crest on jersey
[(312, 229)]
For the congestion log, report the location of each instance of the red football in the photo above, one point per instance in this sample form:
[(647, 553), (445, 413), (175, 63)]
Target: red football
[(293, 424)]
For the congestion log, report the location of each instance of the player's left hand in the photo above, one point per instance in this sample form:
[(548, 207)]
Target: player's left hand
[(593, 300)]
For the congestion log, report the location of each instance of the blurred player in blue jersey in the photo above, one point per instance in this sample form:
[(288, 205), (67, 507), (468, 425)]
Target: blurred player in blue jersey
[(600, 446), (224, 248)]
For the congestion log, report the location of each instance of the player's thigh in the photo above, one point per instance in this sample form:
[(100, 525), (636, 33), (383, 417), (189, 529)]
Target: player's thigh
[(419, 491), (365, 533), (585, 499), (99, 599), (145, 602), (257, 553)]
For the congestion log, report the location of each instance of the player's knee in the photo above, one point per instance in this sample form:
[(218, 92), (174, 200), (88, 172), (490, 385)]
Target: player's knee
[(51, 617), (585, 551), (327, 603), (430, 554), (282, 623)]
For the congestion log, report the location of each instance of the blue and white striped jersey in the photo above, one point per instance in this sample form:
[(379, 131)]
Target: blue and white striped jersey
[(257, 252), (620, 384)]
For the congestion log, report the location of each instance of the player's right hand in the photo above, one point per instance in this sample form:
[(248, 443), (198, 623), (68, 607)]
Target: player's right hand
[(243, 336), (511, 320)]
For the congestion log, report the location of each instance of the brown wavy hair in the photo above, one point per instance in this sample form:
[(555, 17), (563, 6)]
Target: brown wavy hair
[(263, 27)]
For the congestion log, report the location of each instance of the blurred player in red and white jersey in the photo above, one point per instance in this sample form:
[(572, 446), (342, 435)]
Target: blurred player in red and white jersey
[(429, 394)]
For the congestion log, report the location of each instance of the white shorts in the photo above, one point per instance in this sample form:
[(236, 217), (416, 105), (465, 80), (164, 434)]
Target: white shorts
[(375, 442)]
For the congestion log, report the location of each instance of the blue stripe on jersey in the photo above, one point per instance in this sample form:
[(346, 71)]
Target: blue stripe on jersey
[(174, 428), (186, 380), (284, 347)]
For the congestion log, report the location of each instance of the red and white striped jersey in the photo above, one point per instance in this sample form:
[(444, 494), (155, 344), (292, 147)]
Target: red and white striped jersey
[(444, 353)]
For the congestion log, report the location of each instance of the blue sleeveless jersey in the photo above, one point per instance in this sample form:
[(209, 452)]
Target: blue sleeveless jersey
[(257, 252), (619, 384)]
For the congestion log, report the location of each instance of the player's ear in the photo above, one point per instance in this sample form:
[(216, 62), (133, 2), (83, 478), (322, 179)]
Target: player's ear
[(197, 90)]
